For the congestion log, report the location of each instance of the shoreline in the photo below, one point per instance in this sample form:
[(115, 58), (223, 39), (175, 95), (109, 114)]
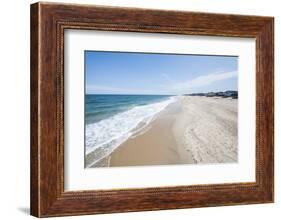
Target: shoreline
[(156, 146), (189, 131)]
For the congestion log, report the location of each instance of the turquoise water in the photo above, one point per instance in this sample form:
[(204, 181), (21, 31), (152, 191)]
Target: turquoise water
[(112, 119), (99, 107)]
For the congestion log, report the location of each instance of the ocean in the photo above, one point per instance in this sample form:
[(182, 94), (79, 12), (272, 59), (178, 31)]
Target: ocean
[(112, 119)]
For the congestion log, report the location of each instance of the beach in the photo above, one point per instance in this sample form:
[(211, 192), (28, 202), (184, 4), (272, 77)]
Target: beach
[(190, 130)]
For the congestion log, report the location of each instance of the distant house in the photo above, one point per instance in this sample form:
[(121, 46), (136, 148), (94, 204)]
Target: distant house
[(219, 93), (229, 93), (211, 94), (226, 94), (196, 94)]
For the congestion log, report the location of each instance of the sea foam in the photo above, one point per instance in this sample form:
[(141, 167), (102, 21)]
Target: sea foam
[(103, 137)]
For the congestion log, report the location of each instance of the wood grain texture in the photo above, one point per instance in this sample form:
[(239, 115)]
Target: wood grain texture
[(48, 22), (34, 136)]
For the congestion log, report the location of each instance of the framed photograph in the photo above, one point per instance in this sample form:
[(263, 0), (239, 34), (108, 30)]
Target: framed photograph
[(138, 109)]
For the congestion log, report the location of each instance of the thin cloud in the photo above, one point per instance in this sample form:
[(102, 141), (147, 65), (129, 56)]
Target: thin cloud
[(170, 88), (202, 81), (115, 90), (167, 77), (97, 88)]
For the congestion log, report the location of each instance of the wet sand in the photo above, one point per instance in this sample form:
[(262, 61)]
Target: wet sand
[(190, 131)]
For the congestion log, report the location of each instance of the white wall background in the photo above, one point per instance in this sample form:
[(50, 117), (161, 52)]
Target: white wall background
[(14, 108)]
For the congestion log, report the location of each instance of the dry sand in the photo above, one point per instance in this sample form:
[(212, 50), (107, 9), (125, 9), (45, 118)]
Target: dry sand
[(192, 130), (207, 129)]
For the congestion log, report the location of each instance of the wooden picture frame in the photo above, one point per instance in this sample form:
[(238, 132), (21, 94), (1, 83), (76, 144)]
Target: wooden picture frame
[(48, 22)]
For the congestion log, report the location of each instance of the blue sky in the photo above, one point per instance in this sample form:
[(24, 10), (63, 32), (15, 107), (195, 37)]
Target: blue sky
[(148, 73)]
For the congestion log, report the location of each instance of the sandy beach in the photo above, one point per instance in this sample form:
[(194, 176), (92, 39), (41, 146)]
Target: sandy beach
[(189, 131)]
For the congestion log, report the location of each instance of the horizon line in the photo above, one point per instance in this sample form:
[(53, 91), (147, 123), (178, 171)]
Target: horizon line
[(124, 94)]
